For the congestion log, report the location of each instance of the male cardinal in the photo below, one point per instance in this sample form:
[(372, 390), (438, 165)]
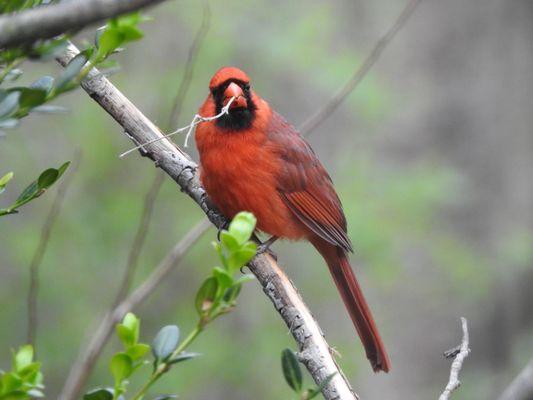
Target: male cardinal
[(252, 159)]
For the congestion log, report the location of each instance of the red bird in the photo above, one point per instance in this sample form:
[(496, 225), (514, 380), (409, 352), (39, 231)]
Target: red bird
[(253, 160)]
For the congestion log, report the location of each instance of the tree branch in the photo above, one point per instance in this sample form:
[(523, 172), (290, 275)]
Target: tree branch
[(87, 359), (48, 21), (314, 349), (460, 355), (521, 388), (41, 249), (82, 367), (328, 108)]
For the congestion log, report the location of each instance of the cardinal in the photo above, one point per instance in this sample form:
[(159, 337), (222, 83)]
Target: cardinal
[(252, 159)]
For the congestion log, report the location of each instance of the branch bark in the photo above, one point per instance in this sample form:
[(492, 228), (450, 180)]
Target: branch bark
[(314, 350), (521, 388), (48, 21), (460, 355)]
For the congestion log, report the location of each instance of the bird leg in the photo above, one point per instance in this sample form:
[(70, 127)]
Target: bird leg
[(224, 227), (265, 246)]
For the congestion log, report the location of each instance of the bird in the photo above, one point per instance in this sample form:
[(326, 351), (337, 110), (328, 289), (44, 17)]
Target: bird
[(252, 159)]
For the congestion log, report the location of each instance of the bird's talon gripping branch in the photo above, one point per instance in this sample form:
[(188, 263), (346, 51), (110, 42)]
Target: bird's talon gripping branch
[(224, 226), (265, 246)]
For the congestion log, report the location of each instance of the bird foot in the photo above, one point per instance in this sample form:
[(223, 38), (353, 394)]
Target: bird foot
[(265, 247), (224, 227)]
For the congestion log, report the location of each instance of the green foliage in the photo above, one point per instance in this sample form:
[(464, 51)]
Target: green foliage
[(25, 380), (218, 293), (293, 376), (34, 189), (123, 364), (17, 102)]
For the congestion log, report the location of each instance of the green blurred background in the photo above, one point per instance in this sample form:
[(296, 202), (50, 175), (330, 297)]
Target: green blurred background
[(431, 156)]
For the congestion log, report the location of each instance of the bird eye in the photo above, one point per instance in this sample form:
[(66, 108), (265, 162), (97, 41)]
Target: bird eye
[(246, 86)]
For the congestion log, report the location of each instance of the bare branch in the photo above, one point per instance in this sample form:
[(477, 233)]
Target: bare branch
[(48, 21), (460, 355), (327, 109), (521, 388), (89, 354), (41, 248), (170, 158)]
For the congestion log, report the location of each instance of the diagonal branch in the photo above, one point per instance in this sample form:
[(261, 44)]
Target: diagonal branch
[(41, 248), (328, 108), (460, 353), (314, 350), (48, 21)]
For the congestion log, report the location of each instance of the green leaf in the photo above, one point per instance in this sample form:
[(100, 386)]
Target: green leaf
[(47, 178), (183, 357), (166, 397), (35, 393), (206, 295), (291, 370), (232, 293), (44, 83), (312, 393), (10, 382), (9, 104), (242, 226), (29, 372), (71, 71), (224, 279), (130, 321), (32, 190), (99, 394), (125, 335), (5, 180), (229, 241), (108, 41), (121, 366), (23, 357), (165, 342), (29, 97), (138, 351), (61, 170), (241, 257)]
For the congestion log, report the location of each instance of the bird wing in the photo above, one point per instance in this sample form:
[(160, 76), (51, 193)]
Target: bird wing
[(305, 186)]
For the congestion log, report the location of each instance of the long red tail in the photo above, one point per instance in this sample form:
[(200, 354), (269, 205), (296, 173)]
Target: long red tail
[(355, 303)]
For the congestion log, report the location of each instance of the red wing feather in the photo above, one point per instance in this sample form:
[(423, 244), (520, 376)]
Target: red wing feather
[(305, 186)]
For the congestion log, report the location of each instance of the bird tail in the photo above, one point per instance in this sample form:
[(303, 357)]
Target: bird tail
[(355, 303)]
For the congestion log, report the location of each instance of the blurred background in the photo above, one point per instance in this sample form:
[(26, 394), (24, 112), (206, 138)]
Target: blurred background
[(432, 156)]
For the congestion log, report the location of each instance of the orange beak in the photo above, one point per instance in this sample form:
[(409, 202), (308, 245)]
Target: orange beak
[(234, 90)]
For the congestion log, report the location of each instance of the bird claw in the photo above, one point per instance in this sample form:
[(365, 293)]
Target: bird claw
[(265, 247), (452, 352), (224, 227)]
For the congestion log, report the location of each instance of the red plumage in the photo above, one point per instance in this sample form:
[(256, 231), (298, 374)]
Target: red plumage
[(253, 160)]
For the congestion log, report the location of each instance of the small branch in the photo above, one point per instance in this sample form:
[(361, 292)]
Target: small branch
[(457, 364), (82, 367), (521, 388), (41, 249), (48, 21), (178, 165), (327, 109)]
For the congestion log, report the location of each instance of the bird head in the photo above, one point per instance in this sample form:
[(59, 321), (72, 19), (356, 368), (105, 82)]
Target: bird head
[(229, 82)]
